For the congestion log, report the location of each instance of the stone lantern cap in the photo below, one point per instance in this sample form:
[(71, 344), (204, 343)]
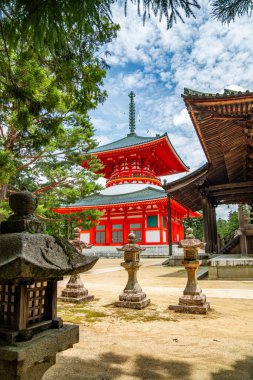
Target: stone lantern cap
[(190, 241), (131, 246), (26, 253)]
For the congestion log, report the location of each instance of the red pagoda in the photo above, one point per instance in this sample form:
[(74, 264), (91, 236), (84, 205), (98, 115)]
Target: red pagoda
[(134, 199)]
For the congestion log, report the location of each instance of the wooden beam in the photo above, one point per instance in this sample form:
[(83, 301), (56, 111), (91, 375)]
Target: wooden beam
[(231, 185), (169, 225), (230, 192)]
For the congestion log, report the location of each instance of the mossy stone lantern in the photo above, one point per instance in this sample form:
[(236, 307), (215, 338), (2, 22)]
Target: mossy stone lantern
[(193, 300), (132, 296), (31, 263)]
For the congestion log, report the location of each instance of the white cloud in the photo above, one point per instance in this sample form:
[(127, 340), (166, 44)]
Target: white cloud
[(222, 212), (157, 64), (102, 140)]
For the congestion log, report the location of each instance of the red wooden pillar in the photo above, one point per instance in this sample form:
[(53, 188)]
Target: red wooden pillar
[(108, 228), (125, 226), (160, 224), (93, 235), (143, 225), (169, 225)]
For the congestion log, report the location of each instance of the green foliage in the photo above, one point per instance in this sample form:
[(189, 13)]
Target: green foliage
[(166, 8), (196, 224), (50, 24), (227, 10), (7, 166), (227, 228), (4, 210), (46, 92)]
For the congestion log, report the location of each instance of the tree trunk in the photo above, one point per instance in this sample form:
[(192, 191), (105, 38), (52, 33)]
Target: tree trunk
[(3, 192)]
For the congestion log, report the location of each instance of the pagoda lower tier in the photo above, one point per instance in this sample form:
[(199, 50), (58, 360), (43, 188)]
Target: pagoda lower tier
[(144, 211)]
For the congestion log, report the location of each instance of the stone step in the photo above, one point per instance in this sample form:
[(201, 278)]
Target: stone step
[(202, 272)]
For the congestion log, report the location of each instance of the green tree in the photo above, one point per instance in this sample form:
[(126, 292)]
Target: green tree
[(47, 22), (45, 131), (226, 228), (196, 224)]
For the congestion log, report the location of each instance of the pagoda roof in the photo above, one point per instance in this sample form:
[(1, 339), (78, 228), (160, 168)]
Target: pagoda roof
[(97, 199), (101, 201), (130, 140), (163, 153)]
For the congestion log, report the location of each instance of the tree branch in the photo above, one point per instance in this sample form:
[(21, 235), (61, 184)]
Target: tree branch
[(54, 220), (51, 186), (2, 133), (27, 164)]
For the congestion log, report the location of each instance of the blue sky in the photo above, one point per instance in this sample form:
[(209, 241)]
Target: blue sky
[(157, 64)]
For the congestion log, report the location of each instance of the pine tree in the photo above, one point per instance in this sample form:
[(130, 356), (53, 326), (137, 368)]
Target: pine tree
[(227, 10), (45, 131)]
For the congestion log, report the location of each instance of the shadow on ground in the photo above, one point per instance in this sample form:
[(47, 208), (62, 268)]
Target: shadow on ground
[(109, 366), (241, 370), (179, 273)]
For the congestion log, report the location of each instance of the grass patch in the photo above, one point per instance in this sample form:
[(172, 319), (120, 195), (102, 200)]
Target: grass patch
[(79, 314)]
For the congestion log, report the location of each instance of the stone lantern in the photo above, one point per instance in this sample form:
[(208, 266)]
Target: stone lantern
[(31, 263), (132, 296), (75, 291), (193, 300)]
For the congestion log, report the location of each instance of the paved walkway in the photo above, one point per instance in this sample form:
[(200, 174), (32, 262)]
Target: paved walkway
[(210, 293)]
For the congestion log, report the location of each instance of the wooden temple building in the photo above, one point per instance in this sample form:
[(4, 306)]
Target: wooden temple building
[(224, 125), (134, 199)]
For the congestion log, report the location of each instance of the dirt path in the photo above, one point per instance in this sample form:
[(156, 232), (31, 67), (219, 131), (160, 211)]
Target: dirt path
[(156, 343)]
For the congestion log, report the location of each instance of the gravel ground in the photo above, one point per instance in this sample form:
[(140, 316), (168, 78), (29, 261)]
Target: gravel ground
[(156, 343)]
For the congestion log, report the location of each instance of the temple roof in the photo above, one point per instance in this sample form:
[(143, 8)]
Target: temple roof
[(223, 124), (158, 149), (96, 200), (185, 190), (149, 194), (226, 93), (129, 140)]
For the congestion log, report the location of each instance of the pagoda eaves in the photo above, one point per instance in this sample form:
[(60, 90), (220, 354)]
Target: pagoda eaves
[(152, 157)]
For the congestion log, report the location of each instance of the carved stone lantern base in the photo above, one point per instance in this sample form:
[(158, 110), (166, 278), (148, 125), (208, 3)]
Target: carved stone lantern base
[(191, 305), (132, 297), (192, 301), (75, 291), (133, 300)]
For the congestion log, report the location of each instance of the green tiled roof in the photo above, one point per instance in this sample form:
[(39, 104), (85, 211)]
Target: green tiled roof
[(98, 199), (189, 92), (130, 140)]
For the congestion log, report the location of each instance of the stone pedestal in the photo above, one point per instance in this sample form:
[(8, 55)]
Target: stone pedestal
[(132, 297), (192, 301), (75, 291), (30, 360)]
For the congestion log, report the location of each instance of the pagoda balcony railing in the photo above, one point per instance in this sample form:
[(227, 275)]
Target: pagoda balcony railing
[(133, 179), (134, 175)]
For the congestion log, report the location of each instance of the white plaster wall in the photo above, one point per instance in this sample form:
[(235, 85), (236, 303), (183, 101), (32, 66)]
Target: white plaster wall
[(85, 236), (153, 236), (164, 236)]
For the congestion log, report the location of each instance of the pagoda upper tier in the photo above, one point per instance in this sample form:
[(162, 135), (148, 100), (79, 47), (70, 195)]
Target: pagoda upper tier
[(137, 159)]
